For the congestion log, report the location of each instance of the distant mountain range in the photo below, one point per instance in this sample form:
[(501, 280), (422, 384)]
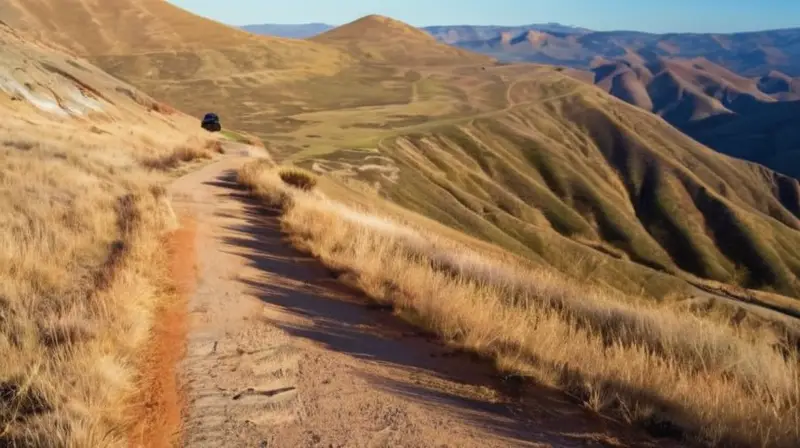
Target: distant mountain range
[(749, 54)]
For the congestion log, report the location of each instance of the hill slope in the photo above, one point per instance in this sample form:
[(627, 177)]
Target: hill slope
[(768, 134), (753, 119), (568, 176)]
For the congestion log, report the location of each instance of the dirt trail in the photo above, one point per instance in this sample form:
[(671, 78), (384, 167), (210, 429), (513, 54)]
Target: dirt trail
[(280, 355)]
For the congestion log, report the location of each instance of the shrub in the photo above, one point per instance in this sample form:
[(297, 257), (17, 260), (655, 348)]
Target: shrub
[(188, 152), (298, 178)]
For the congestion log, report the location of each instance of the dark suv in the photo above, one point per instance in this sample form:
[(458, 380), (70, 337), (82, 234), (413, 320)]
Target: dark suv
[(211, 123)]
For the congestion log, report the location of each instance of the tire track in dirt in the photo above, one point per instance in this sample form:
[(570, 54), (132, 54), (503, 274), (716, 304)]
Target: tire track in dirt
[(280, 354)]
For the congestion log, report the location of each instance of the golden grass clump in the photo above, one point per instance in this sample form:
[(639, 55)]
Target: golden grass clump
[(191, 151), (298, 178), (661, 367)]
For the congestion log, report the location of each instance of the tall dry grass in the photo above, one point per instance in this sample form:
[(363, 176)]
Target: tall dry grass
[(81, 271), (189, 152), (662, 367)]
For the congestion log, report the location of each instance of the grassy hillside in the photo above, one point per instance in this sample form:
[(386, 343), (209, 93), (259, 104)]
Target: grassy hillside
[(83, 211), (587, 183)]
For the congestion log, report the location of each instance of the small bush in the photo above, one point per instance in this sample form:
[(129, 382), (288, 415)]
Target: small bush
[(298, 178), (185, 153)]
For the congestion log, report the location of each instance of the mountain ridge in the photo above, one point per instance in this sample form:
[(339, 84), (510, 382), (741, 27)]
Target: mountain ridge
[(752, 53)]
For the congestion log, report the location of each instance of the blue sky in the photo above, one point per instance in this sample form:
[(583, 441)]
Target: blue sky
[(644, 15)]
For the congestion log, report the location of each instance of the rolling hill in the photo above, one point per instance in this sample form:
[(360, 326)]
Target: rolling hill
[(385, 40), (576, 179), (721, 89), (520, 155)]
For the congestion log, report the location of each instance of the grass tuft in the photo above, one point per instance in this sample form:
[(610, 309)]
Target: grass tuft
[(298, 178), (185, 153)]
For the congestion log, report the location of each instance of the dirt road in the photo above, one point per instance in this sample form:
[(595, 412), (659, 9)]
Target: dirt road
[(280, 355)]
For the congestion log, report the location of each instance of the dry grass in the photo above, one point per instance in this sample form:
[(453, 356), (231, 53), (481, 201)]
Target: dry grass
[(81, 272), (664, 368), (298, 178), (191, 151), (82, 219)]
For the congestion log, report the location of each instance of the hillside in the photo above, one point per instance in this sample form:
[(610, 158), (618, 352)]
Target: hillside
[(780, 85), (397, 91), (768, 134), (681, 91), (83, 162), (570, 177), (749, 118)]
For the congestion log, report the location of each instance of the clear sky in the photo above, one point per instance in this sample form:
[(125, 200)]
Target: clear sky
[(644, 15)]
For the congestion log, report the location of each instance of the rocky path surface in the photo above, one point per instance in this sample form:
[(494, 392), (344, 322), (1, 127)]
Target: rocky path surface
[(280, 355)]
